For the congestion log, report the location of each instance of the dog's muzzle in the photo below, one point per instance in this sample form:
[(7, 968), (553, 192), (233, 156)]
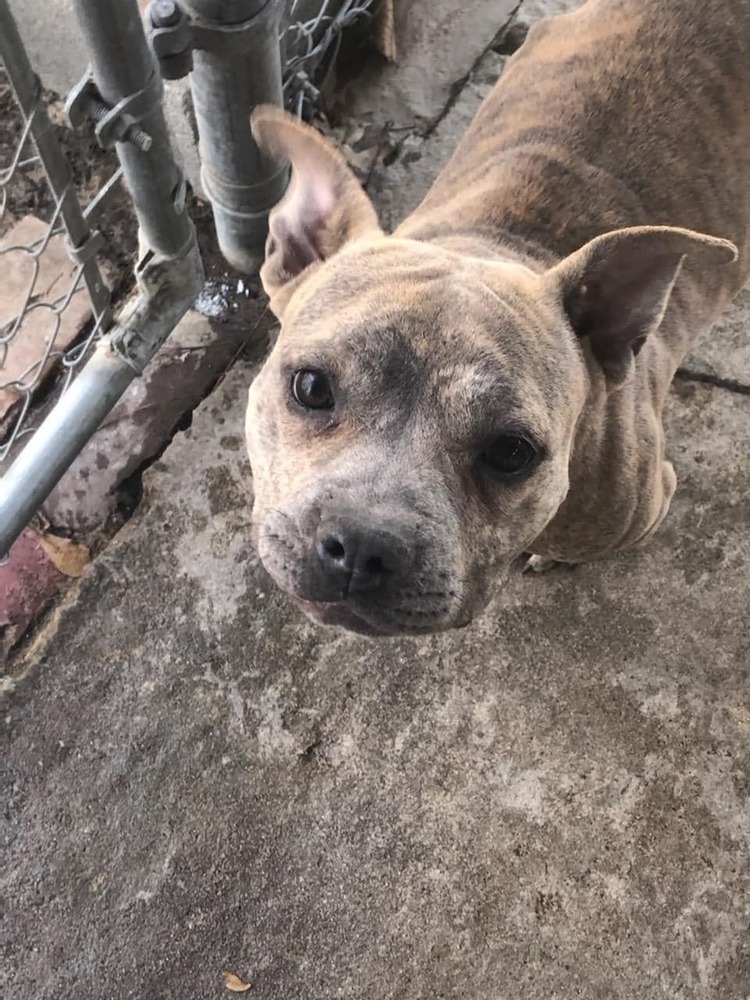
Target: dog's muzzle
[(364, 573)]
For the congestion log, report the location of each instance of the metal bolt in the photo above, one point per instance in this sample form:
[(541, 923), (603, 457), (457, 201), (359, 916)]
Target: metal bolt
[(164, 13), (138, 137), (127, 133), (96, 109)]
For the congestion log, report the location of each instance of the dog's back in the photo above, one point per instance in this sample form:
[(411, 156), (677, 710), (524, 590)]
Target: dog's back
[(622, 113)]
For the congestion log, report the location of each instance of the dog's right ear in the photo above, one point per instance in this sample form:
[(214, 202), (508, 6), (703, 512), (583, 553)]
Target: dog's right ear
[(324, 206)]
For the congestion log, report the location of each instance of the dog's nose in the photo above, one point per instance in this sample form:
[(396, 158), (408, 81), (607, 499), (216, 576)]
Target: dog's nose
[(358, 558)]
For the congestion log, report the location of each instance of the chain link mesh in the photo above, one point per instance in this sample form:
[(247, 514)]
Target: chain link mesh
[(54, 305), (310, 44)]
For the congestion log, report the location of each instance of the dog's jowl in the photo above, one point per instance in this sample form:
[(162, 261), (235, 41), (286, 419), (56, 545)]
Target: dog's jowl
[(489, 379)]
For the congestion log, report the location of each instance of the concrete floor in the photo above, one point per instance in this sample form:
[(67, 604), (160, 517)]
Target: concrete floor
[(553, 804)]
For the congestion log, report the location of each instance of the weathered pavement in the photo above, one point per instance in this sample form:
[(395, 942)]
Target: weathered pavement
[(554, 803)]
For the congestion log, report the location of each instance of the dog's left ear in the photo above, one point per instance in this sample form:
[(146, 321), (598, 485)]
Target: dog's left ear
[(615, 289), (324, 206)]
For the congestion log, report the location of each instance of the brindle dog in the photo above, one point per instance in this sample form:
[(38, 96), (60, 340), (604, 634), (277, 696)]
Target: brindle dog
[(489, 380)]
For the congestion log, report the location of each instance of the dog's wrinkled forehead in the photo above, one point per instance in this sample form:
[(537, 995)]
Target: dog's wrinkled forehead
[(414, 331), (387, 374)]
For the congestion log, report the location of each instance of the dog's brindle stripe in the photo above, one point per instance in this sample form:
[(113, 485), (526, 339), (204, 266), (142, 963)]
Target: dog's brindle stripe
[(490, 310), (556, 171)]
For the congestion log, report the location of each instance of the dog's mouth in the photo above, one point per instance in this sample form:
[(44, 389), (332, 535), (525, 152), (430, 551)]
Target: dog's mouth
[(383, 603), (338, 614), (363, 621)]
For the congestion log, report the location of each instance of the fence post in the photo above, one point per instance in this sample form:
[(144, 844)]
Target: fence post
[(236, 65), (125, 73)]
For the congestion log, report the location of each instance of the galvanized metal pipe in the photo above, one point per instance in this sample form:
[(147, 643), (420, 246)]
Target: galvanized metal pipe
[(169, 286), (49, 453), (169, 272), (236, 65), (123, 66)]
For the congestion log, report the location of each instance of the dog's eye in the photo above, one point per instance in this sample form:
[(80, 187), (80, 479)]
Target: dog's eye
[(508, 455), (312, 390)]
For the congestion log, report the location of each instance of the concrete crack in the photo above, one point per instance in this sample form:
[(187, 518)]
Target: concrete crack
[(458, 85), (719, 382)]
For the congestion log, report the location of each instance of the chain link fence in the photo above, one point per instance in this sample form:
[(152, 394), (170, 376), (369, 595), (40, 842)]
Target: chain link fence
[(311, 42), (64, 357), (55, 301), (56, 320)]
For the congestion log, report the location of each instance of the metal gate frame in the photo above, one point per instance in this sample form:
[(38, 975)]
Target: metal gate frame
[(122, 93), (169, 272), (232, 50)]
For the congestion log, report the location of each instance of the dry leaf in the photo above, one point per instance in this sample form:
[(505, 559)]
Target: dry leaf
[(70, 558), (385, 32), (354, 133), (234, 983), (362, 164)]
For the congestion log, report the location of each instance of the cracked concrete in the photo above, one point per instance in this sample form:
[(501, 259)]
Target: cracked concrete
[(436, 42), (554, 803), (724, 353)]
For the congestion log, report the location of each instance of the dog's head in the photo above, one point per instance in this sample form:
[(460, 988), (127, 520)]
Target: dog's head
[(411, 432)]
